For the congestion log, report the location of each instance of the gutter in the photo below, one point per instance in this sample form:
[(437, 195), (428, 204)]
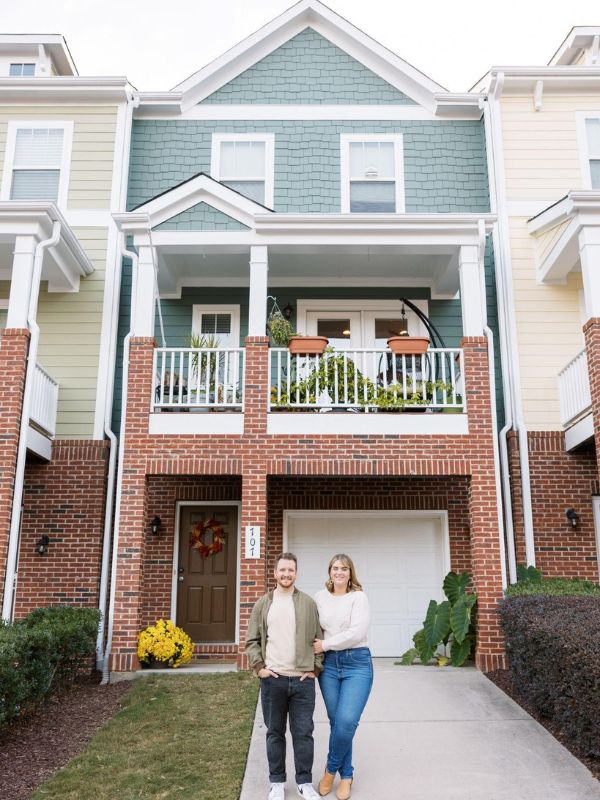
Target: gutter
[(15, 521)]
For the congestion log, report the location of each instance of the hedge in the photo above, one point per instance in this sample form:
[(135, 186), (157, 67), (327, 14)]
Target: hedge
[(554, 586), (42, 653), (553, 648)]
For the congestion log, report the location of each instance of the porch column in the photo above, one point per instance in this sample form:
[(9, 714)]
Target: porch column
[(259, 270), (20, 281), (471, 295), (589, 255), (143, 302), (253, 571)]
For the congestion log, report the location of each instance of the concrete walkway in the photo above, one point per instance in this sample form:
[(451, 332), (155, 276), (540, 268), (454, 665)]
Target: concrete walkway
[(450, 733)]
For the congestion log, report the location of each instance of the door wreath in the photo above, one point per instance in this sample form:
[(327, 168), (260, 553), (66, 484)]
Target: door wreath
[(199, 531)]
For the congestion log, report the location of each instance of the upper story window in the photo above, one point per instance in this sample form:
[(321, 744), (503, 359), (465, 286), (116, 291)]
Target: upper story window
[(372, 174), (592, 130), (245, 162), (21, 70), (37, 161)]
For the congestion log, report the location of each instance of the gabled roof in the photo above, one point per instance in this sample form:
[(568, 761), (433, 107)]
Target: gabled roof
[(310, 13), (54, 43), (580, 38)]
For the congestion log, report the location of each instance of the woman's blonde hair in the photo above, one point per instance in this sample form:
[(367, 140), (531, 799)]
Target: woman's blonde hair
[(353, 582)]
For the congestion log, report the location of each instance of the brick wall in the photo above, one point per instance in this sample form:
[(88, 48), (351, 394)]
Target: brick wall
[(64, 499), (559, 480)]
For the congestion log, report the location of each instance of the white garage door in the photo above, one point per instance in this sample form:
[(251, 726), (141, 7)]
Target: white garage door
[(401, 560)]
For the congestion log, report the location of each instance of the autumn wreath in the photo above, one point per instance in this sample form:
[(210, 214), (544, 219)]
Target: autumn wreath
[(199, 530)]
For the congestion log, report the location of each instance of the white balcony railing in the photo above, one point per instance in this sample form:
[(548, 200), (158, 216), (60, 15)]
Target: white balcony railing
[(367, 380), (44, 401), (198, 379), (574, 390)]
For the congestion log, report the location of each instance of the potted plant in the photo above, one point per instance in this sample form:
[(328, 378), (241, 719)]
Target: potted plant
[(408, 345), (207, 367), (164, 645), (283, 334)]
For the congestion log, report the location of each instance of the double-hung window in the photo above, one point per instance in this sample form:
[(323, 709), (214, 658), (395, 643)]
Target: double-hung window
[(37, 161), (372, 174), (21, 70), (244, 162), (592, 136)]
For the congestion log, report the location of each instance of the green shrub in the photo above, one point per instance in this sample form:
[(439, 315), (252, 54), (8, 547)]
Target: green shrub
[(553, 586), (44, 652)]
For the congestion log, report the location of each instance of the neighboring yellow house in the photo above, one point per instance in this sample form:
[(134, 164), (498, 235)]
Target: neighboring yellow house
[(544, 145), (63, 172)]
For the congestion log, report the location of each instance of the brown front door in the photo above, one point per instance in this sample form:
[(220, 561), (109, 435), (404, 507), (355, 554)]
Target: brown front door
[(206, 587)]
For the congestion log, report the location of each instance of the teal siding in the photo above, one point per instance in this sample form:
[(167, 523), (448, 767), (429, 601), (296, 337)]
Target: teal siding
[(201, 217), (445, 166), (308, 69)]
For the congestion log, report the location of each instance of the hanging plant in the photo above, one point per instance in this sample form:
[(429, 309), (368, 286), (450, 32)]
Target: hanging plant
[(279, 328)]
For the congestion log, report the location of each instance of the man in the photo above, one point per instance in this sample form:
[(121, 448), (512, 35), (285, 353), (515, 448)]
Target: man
[(283, 625)]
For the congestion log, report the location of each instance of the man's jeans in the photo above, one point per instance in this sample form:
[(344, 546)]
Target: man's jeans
[(346, 683), (279, 697)]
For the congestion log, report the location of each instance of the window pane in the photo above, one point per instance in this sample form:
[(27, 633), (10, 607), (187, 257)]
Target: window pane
[(595, 171), (372, 159), (38, 147), (372, 198), (15, 70), (242, 159), (384, 328), (334, 328), (592, 127), (35, 184), (255, 190), (218, 326), (28, 69)]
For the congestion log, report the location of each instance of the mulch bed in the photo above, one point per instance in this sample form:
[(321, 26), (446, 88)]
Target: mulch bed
[(32, 749), (501, 677)]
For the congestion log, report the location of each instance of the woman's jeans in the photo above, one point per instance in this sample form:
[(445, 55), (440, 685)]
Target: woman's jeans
[(346, 683)]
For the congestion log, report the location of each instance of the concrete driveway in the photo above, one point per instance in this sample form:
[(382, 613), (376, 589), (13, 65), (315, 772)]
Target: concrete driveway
[(447, 733)]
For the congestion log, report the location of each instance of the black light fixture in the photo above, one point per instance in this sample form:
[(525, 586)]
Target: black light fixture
[(155, 525), (402, 323), (42, 544), (572, 516), (287, 311)]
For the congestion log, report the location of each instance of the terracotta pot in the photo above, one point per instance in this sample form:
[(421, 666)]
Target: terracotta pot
[(307, 345), (408, 345)]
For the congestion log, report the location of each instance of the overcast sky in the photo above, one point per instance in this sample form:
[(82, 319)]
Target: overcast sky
[(158, 43)]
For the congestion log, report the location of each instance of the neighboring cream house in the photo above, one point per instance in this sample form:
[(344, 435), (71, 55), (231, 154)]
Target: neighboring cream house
[(544, 139), (62, 155)]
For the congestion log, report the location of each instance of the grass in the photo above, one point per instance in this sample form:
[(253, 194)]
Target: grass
[(176, 737)]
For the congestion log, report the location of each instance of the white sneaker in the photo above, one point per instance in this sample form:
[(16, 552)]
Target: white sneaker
[(277, 791), (308, 791)]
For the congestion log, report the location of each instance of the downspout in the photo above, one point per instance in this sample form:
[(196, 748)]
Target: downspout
[(509, 322), (119, 483), (133, 103), (15, 520), (504, 361), (492, 382)]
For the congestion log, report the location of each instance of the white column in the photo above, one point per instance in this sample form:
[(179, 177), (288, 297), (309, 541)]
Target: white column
[(589, 255), (471, 296), (259, 271), (144, 301), (20, 282)]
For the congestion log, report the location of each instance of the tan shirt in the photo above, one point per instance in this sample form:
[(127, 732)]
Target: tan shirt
[(280, 652)]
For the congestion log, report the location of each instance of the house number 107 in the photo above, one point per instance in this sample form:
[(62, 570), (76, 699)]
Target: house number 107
[(252, 541)]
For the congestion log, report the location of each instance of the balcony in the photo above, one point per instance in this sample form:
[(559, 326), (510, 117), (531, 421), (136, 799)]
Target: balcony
[(575, 401), (42, 413)]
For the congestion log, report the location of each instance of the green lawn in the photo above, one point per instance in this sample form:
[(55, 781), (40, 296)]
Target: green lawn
[(176, 737)]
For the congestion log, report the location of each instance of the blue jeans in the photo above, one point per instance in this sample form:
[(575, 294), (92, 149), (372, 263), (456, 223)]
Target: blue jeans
[(281, 698), (346, 683)]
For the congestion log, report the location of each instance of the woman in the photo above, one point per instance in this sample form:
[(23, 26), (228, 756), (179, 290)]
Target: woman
[(347, 674)]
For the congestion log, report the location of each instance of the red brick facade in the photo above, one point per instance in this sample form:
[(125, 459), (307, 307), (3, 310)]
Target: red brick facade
[(14, 346), (262, 460), (65, 500)]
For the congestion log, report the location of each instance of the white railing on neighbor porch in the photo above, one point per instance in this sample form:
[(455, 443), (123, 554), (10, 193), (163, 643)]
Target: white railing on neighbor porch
[(44, 401), (198, 379), (574, 390), (364, 379)]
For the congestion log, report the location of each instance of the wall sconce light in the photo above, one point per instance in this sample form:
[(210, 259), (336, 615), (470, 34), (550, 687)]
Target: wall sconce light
[(287, 311), (572, 516), (155, 525), (42, 545)]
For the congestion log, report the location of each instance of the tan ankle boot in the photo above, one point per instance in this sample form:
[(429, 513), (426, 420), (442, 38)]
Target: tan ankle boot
[(326, 784), (344, 789)]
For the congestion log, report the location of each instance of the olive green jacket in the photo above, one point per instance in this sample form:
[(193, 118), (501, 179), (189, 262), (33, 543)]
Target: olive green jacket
[(307, 630)]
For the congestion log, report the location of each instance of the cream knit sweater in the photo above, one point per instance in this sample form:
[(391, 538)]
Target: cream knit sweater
[(344, 618)]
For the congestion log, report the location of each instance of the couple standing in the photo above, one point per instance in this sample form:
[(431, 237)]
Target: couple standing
[(293, 639)]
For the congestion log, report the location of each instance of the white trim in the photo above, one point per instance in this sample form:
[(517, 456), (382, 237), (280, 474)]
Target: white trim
[(291, 111), (269, 141), (88, 217), (596, 512), (380, 424), (581, 431), (303, 307), (582, 141), (397, 140), (38, 443), (198, 309), (65, 166), (441, 515), (179, 504)]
